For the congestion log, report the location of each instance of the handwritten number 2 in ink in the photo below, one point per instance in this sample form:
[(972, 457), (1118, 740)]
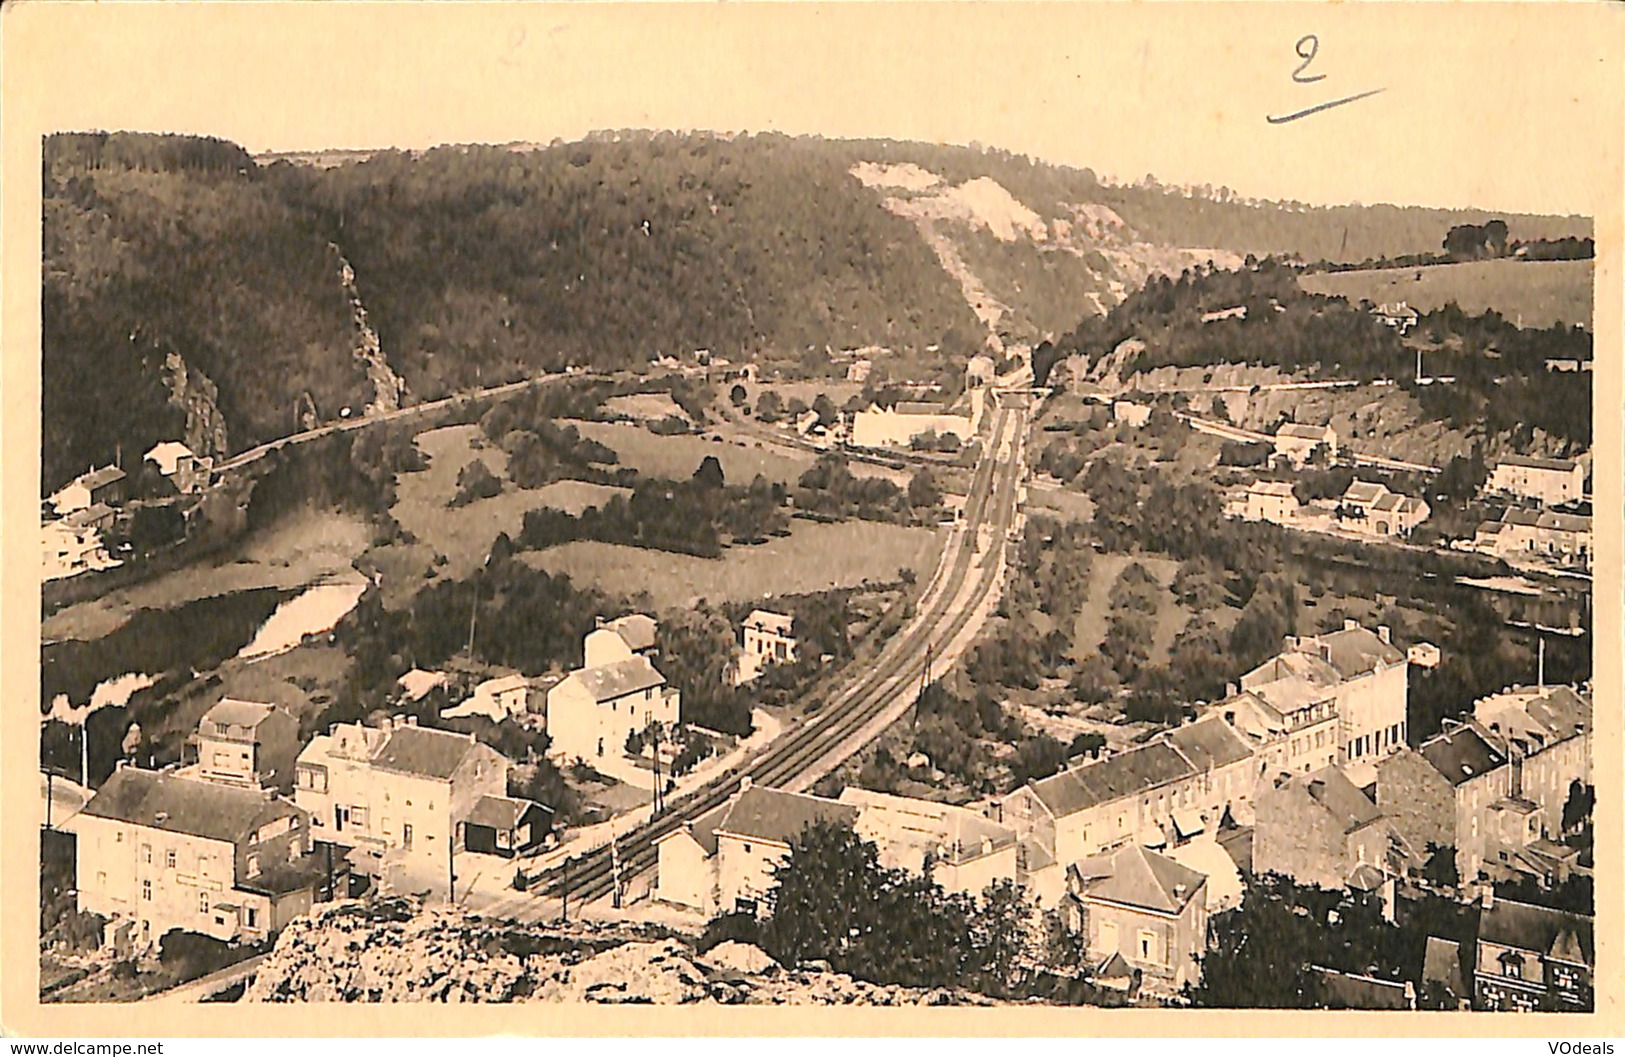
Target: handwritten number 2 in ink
[(1308, 47)]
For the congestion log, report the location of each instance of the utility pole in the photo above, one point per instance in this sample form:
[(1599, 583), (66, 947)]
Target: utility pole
[(451, 863), (84, 752), (474, 608), (615, 866), (564, 902), (1540, 669)]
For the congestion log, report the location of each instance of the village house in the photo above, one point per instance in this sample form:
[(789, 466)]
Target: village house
[(1335, 989), (1134, 415), (1141, 914), (73, 543), (1545, 733), (1372, 509), (623, 638), (1360, 671), (1533, 958), (498, 699), (766, 638), (1295, 442), (1399, 315), (1167, 791), (1295, 731), (245, 743), (158, 851), (1320, 829), (104, 486), (1442, 795), (507, 826), (180, 465), (404, 796), (1270, 501), (723, 861), (1550, 482), (1565, 538), (895, 427), (965, 851), (1423, 655)]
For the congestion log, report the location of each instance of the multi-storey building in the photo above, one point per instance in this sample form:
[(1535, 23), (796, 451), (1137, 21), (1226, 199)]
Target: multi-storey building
[(245, 743)]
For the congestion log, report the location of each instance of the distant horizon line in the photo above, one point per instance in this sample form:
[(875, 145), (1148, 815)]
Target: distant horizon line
[(1105, 180)]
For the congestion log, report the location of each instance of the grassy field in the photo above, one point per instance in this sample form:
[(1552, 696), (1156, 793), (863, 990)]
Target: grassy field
[(645, 407), (1538, 293), (677, 457), (1089, 630), (573, 497), (813, 557)]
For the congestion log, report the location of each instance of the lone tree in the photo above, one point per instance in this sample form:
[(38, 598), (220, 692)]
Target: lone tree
[(737, 395), (709, 474), (923, 493)]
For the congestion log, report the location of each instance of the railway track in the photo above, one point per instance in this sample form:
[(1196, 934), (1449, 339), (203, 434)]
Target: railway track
[(823, 738)]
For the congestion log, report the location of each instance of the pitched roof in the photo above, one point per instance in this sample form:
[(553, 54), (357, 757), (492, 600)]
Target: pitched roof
[(1102, 781), (1138, 877), (1403, 504), (1340, 990), (1442, 962), (104, 476), (1279, 488), (1210, 743), (88, 516), (1363, 492), (1302, 432), (1533, 717), (779, 815), (637, 629), (423, 751), (502, 812), (1563, 522), (619, 678), (230, 711), (1536, 463), (1356, 651), (1340, 798), (159, 800), (1461, 754), (1555, 933), (777, 623), (168, 455), (1526, 518)]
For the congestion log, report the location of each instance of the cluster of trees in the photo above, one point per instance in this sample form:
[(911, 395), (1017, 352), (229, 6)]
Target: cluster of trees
[(834, 902), (698, 516), (829, 489), (698, 648)]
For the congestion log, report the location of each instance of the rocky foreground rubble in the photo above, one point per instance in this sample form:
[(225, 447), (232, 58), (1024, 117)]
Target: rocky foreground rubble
[(352, 953)]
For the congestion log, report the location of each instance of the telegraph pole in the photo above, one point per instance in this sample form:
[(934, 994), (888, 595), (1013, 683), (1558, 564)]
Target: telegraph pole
[(615, 865)]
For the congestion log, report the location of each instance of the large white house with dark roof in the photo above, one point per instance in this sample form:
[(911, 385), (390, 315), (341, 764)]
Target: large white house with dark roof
[(401, 794), (619, 691), (158, 851)]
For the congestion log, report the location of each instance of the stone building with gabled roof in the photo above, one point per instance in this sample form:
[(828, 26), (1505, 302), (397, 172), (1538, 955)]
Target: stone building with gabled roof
[(1533, 958), (1320, 829), (1445, 793), (158, 851), (401, 791), (1143, 908)]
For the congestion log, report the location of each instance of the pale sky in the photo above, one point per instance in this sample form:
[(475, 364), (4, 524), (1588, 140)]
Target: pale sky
[(1490, 105)]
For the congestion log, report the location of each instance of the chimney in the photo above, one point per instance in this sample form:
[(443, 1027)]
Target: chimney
[(410, 721), (1231, 689), (1350, 624), (1489, 897), (1385, 634), (386, 724), (987, 845), (1179, 892)]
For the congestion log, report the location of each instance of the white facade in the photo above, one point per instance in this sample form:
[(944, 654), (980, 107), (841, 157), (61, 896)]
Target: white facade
[(895, 427), (766, 639), (399, 789), (1549, 481), (591, 712), (1295, 442), (1271, 501)]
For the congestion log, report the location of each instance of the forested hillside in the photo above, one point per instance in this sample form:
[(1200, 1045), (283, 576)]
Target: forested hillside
[(192, 291)]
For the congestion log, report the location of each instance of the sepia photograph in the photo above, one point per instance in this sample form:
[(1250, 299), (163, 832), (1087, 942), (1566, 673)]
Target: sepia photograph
[(1077, 510)]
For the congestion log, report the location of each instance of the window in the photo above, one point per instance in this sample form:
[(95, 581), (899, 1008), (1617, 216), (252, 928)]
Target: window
[(358, 815), (1148, 946), (146, 853), (747, 849), (406, 834), (101, 878), (203, 902), (146, 891), (252, 914), (169, 858)]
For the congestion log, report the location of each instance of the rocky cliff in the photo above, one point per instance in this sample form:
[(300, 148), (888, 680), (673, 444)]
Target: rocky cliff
[(350, 952)]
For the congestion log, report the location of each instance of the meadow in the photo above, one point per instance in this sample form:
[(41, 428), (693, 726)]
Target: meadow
[(814, 557), (1531, 293)]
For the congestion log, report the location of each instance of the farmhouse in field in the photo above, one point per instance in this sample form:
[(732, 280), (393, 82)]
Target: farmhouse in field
[(1270, 501), (1372, 509)]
